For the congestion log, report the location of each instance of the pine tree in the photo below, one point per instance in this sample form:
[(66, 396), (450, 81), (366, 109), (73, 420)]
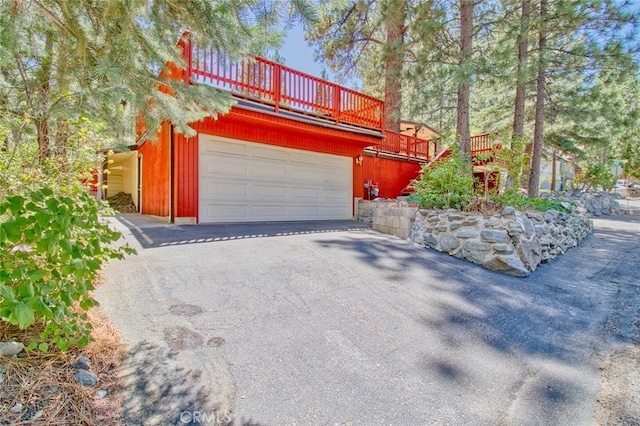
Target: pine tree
[(61, 61)]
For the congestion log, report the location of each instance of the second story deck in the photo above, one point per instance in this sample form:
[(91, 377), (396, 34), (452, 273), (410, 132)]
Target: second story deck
[(293, 92), (261, 80)]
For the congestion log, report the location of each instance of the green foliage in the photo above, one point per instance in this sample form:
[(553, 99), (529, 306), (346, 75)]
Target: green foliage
[(446, 184), (51, 248), (523, 203), (595, 176), (103, 60)]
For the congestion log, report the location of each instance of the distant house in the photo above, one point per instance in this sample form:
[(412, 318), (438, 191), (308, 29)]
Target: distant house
[(564, 169), (419, 130), (294, 147)]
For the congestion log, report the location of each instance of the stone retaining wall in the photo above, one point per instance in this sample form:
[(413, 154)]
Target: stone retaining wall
[(596, 203), (389, 217), (396, 221), (510, 242)]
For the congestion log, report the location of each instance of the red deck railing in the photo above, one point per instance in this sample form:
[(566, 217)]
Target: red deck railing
[(481, 144), (268, 82), (426, 149), (408, 146)]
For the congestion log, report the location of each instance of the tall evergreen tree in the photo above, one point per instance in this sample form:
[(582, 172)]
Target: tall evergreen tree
[(464, 84), (538, 135), (366, 39)]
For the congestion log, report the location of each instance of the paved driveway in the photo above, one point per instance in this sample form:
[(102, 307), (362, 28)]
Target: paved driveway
[(333, 323)]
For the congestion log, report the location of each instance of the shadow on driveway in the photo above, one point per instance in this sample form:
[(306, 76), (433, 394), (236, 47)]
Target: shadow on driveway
[(151, 232)]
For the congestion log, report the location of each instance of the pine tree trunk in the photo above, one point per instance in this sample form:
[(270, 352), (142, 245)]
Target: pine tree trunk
[(554, 159), (42, 121), (466, 34), (42, 129), (519, 107), (538, 132), (394, 59)]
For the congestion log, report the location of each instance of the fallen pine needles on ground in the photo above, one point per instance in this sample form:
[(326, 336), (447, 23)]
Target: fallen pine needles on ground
[(40, 388)]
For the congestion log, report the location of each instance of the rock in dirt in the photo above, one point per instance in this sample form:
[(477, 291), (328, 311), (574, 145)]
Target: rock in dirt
[(81, 363), (86, 378), (10, 348)]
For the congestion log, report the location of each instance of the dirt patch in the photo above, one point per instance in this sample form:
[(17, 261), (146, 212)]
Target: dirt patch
[(180, 338), (619, 399), (216, 342), (185, 309)]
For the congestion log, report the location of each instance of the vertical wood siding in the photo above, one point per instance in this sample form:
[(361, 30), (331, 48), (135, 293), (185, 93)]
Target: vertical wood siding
[(155, 174), (242, 125), (186, 176), (392, 176)]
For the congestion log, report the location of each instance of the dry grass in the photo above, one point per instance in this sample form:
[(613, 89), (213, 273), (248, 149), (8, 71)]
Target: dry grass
[(44, 386)]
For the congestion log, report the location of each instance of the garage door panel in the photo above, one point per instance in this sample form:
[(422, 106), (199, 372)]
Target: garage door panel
[(224, 190), (334, 194), (305, 175), (226, 213), (269, 171), (334, 177), (270, 191), (304, 192), (334, 211), (306, 157), (244, 181), (223, 147), (306, 212), (270, 212), (229, 167), (269, 153)]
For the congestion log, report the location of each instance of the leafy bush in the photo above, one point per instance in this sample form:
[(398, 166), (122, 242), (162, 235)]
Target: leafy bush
[(522, 202), (595, 176), (446, 184), (51, 248)]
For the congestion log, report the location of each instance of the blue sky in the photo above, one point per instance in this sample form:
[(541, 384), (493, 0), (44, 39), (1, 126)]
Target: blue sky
[(298, 54)]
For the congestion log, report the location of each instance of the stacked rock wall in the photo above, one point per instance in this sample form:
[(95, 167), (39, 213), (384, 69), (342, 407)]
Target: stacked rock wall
[(596, 203), (510, 242)]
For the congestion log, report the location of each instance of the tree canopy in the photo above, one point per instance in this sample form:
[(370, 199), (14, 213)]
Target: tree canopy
[(578, 58)]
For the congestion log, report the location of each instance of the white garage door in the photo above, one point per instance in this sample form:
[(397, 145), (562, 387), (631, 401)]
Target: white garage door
[(244, 182)]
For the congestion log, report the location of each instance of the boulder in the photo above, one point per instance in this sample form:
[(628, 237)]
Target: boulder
[(495, 236), (448, 242), (475, 251), (507, 265)]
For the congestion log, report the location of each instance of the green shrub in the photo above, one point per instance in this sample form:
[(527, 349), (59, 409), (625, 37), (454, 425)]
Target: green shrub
[(595, 176), (523, 203), (51, 248), (446, 184)]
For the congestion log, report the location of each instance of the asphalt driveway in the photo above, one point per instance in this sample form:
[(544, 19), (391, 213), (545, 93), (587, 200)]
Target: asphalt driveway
[(333, 323)]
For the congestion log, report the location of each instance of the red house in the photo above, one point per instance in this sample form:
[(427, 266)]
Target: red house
[(294, 147)]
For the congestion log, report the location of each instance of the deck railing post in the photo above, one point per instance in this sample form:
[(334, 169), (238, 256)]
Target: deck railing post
[(187, 55), (336, 103), (277, 85)]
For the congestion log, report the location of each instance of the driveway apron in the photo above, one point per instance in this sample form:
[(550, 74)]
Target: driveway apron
[(334, 323)]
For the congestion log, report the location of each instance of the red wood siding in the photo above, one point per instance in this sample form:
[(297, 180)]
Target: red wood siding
[(391, 176), (269, 129), (155, 174), (239, 124), (186, 176)]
